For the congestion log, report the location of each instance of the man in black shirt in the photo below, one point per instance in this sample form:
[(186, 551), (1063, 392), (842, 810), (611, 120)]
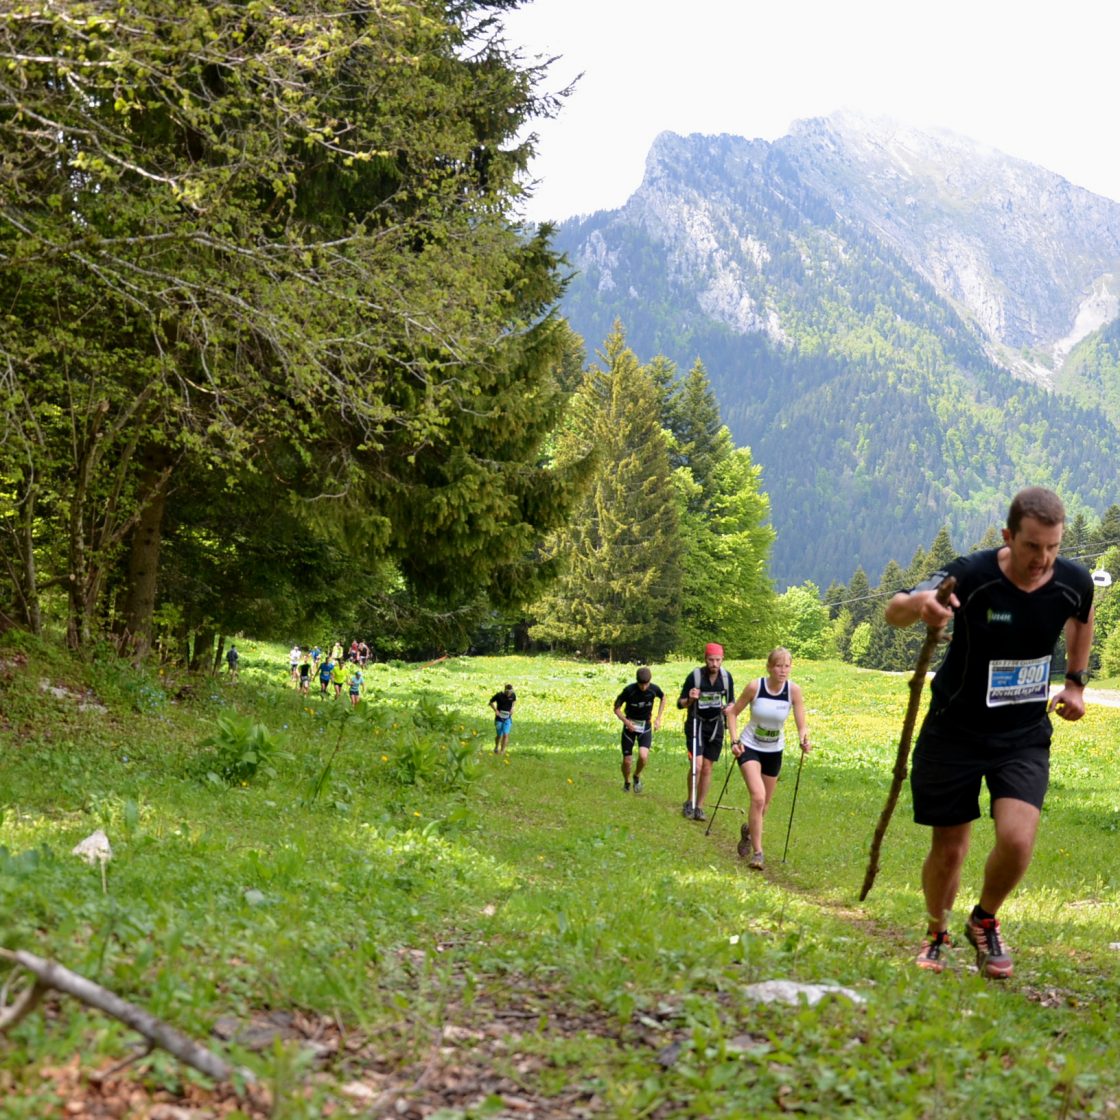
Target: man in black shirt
[(634, 706), (988, 717), (502, 704), (708, 694)]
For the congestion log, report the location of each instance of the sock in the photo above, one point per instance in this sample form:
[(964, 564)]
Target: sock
[(979, 914)]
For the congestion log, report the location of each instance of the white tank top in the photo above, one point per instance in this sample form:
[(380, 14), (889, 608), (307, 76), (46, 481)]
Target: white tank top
[(765, 729)]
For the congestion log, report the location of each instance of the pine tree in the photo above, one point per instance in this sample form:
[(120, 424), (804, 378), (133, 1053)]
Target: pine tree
[(1106, 534), (859, 599), (618, 594), (991, 539), (941, 552), (703, 443), (723, 514), (1075, 539), (890, 647), (726, 591)]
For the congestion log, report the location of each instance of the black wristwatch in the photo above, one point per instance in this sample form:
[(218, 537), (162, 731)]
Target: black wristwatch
[(1081, 677)]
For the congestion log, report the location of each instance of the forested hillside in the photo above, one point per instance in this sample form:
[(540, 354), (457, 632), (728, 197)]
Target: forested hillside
[(871, 397)]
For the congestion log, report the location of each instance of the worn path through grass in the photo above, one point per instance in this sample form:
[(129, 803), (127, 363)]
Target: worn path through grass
[(413, 926)]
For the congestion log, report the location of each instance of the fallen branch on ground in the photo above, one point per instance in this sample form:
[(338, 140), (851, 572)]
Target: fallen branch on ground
[(51, 975)]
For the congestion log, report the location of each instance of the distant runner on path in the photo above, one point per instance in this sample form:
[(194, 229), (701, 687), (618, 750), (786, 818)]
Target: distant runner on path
[(761, 742), (708, 694), (502, 703), (988, 717), (634, 706)]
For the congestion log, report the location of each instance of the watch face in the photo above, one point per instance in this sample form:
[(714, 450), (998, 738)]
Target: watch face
[(1081, 678)]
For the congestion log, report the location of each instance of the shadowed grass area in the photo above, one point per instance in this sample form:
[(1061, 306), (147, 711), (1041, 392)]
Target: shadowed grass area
[(521, 915)]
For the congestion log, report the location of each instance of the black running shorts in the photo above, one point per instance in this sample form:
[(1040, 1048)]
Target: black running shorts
[(710, 735), (950, 766), (642, 739), (770, 761)]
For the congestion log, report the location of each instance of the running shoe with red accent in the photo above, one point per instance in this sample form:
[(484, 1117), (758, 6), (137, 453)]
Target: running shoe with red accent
[(992, 958), (929, 955)]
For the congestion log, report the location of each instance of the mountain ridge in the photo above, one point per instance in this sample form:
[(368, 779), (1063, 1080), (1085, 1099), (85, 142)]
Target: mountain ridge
[(855, 266)]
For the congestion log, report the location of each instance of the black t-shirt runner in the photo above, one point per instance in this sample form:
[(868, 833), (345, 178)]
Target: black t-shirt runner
[(636, 704), (996, 672), (505, 701), (714, 697)]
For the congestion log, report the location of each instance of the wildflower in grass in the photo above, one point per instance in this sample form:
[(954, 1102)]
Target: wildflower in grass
[(384, 758)]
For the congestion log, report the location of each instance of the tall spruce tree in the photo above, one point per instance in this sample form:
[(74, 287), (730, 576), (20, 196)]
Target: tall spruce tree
[(620, 555), (724, 513)]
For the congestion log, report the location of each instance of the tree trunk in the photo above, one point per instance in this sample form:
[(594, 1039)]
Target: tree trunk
[(203, 648), (143, 558), (26, 579)]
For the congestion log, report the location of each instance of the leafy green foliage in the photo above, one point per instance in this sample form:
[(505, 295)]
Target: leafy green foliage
[(265, 261), (241, 750)]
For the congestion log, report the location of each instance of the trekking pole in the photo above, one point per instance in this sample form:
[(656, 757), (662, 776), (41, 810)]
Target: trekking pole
[(695, 744), (796, 787), (719, 800), (925, 655)]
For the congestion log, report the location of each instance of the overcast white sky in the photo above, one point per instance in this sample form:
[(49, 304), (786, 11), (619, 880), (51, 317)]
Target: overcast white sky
[(1040, 83)]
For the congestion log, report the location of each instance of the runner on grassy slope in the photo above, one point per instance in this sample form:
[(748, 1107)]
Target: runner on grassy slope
[(357, 682), (502, 703), (634, 706), (326, 668), (759, 749), (708, 694), (988, 715)]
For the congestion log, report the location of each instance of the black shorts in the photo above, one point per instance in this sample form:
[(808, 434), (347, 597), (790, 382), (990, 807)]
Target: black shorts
[(643, 740), (770, 761), (950, 765), (709, 736)]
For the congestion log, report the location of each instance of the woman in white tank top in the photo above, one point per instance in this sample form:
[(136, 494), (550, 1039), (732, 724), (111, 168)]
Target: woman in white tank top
[(759, 749)]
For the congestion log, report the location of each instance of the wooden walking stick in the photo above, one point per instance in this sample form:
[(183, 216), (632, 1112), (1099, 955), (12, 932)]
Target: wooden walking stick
[(933, 636)]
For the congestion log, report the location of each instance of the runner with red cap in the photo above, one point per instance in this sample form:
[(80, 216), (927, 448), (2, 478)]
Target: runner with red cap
[(708, 696)]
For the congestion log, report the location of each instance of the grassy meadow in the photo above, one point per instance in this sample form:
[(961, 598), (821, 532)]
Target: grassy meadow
[(376, 915)]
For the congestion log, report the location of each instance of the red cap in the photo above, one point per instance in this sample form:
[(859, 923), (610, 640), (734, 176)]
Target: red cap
[(713, 649)]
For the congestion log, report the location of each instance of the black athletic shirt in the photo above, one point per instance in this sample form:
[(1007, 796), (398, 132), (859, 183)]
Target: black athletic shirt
[(639, 704), (996, 673), (504, 700), (713, 697)]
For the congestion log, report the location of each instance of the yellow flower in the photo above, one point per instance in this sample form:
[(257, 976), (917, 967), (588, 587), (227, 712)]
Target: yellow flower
[(569, 781), (384, 758), (415, 813)]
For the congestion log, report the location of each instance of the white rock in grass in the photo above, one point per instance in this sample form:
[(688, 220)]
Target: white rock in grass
[(94, 848), (790, 991)]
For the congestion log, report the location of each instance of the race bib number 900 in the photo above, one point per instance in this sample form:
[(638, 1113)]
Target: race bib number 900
[(1018, 682)]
